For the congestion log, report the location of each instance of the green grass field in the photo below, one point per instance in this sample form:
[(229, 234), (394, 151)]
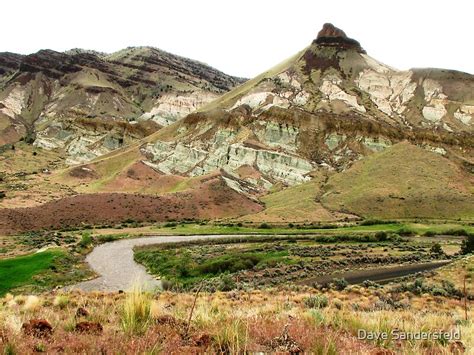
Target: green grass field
[(19, 271), (402, 228)]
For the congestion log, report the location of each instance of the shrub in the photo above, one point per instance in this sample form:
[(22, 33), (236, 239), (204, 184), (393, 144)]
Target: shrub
[(340, 284), (418, 287), (226, 283), (437, 291), (265, 226), (436, 249), (317, 301), (457, 231), (230, 263), (168, 285), (183, 270), (369, 283), (405, 231), (381, 236), (429, 233), (86, 240), (467, 245), (136, 313)]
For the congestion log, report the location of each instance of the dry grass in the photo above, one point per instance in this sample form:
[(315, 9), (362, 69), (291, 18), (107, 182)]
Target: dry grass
[(387, 185), (295, 204), (136, 311), (235, 322)]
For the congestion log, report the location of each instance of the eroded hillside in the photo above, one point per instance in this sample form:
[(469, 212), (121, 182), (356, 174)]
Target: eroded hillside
[(87, 104)]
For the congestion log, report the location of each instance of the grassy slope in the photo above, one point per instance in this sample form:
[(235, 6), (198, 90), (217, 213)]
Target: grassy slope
[(19, 271), (22, 159), (404, 181), (295, 204)]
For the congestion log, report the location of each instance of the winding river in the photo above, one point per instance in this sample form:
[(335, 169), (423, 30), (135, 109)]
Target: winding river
[(117, 269)]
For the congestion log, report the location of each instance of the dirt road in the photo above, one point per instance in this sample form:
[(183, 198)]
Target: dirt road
[(380, 275)]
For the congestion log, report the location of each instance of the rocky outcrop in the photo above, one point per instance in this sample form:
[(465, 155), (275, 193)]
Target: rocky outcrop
[(169, 108), (332, 36)]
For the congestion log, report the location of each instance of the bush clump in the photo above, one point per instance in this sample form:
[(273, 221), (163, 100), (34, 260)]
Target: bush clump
[(381, 236), (230, 263), (339, 284), (316, 301), (86, 240), (419, 287), (226, 283), (467, 245), (437, 249)]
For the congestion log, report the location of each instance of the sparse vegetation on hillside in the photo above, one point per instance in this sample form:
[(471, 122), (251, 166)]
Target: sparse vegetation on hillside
[(387, 185), (284, 319)]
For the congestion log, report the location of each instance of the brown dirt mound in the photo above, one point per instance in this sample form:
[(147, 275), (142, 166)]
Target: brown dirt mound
[(83, 172), (213, 199), (142, 179)]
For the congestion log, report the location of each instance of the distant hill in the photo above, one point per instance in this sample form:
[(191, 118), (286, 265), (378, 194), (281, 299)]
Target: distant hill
[(89, 103)]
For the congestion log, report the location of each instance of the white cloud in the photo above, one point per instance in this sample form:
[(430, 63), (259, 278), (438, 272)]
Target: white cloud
[(245, 37)]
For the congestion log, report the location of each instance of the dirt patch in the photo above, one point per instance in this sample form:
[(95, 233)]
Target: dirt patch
[(141, 178), (83, 172), (247, 171), (213, 199)]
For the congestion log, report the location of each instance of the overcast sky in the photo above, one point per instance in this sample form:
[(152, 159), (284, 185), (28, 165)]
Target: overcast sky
[(246, 37)]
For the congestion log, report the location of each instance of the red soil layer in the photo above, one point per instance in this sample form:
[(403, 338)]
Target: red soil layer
[(213, 199)]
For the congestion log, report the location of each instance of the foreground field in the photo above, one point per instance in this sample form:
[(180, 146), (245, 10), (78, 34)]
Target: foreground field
[(265, 312), (284, 319)]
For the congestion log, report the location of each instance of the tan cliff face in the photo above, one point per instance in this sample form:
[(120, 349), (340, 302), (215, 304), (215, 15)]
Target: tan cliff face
[(88, 103)]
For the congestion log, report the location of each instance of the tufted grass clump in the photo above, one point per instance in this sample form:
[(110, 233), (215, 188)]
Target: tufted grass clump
[(316, 301), (136, 311)]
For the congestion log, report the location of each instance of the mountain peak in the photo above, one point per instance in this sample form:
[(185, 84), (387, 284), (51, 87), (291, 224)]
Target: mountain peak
[(329, 30), (331, 36)]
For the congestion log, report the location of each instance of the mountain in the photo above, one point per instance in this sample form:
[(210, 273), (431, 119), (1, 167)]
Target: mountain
[(327, 107), (329, 134), (89, 103)]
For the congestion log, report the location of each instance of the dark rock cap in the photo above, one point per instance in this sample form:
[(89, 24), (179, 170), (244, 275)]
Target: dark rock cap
[(331, 36)]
